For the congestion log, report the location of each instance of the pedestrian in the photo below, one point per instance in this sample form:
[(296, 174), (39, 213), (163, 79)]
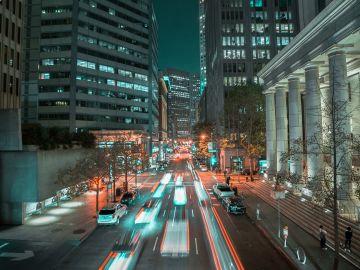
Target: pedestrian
[(348, 236), (228, 180), (285, 234), (323, 234)]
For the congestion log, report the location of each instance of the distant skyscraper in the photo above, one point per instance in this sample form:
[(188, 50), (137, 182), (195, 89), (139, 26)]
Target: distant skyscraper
[(91, 64), (163, 110), (202, 45), (194, 98), (179, 125)]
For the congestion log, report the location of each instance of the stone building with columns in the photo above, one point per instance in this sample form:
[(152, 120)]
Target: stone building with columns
[(321, 64)]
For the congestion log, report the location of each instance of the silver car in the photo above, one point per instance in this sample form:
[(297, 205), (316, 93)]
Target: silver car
[(112, 215)]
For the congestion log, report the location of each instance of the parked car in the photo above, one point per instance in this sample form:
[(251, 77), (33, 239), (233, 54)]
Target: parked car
[(128, 198), (112, 215), (203, 168), (234, 205), (223, 190)]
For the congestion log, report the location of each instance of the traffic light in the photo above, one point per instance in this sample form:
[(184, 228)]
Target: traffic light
[(213, 161)]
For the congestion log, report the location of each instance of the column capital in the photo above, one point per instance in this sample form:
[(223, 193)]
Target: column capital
[(311, 65), (336, 51), (269, 91), (293, 78), (279, 88)]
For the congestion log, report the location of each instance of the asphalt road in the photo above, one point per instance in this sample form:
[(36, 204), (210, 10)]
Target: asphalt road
[(254, 250), (178, 237)]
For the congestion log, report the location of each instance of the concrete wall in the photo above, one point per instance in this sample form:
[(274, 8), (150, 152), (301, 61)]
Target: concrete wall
[(29, 176), (10, 129)]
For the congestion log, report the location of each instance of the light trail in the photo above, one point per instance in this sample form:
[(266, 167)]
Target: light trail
[(155, 187), (176, 241), (180, 196), (159, 191), (166, 179), (222, 249), (233, 252)]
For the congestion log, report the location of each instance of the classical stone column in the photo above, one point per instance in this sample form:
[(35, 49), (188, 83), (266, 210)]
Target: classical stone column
[(354, 82), (313, 123), (295, 128), (341, 111), (270, 132), (281, 129)]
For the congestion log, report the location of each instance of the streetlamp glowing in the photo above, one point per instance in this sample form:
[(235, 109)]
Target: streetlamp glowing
[(203, 136)]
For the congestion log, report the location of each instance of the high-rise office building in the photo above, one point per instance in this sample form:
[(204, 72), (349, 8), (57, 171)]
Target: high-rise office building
[(202, 45), (91, 64), (163, 110), (195, 94), (11, 29), (241, 37), (10, 52), (179, 126)]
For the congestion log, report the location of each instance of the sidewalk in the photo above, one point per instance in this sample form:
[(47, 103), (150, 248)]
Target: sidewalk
[(73, 220), (300, 242)]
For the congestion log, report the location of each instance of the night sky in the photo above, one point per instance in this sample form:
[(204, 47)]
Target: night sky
[(178, 34)]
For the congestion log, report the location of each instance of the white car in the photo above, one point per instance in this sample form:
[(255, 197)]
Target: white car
[(223, 190), (203, 168), (112, 215)]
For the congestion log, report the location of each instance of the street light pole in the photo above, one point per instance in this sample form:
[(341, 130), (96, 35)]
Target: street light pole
[(279, 221)]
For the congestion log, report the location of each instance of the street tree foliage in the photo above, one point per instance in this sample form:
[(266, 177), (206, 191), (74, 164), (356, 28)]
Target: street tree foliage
[(106, 163), (244, 120), (92, 168), (337, 184), (202, 133), (55, 137)]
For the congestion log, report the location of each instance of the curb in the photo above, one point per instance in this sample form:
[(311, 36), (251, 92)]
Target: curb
[(275, 245), (77, 242)]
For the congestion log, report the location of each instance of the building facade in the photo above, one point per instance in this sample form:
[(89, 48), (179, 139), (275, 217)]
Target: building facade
[(314, 78), (202, 45), (179, 126), (11, 29), (163, 110), (91, 64), (195, 90), (10, 52), (241, 37)]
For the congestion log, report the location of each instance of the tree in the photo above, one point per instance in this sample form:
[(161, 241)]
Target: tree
[(244, 120), (203, 133), (93, 168), (123, 157)]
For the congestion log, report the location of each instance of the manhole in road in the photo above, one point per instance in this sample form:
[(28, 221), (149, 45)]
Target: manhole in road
[(79, 231)]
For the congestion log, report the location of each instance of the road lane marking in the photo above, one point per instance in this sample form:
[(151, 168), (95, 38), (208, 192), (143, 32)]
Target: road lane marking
[(173, 218), (155, 243), (4, 245), (196, 247), (169, 197), (164, 213), (192, 212)]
